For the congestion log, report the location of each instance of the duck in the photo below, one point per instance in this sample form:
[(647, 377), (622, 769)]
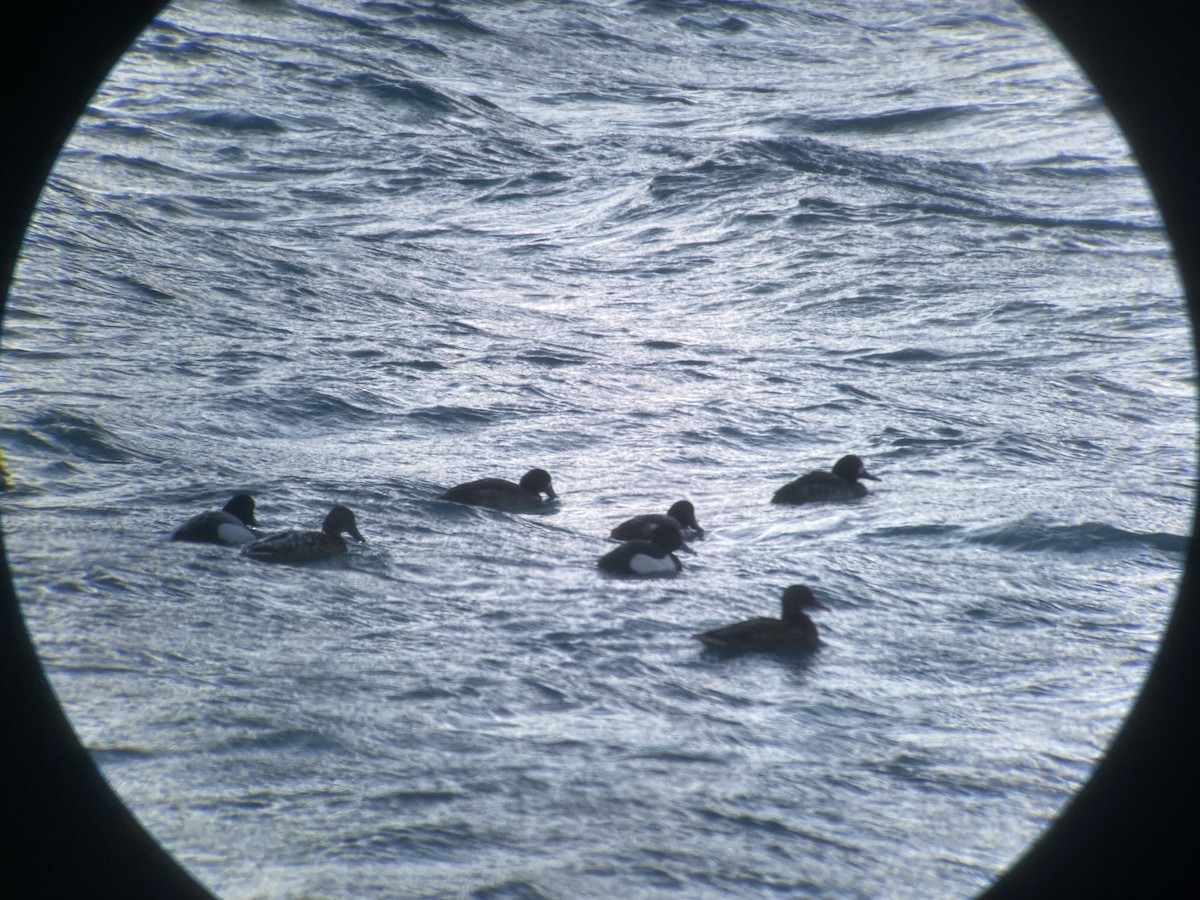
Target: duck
[(296, 546), (794, 631), (682, 515), (842, 483), (232, 524), (654, 556), (496, 493)]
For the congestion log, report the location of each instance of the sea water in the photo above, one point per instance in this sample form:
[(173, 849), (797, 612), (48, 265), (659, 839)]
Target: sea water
[(358, 252)]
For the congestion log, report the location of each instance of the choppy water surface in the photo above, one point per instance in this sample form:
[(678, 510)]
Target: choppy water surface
[(356, 252)]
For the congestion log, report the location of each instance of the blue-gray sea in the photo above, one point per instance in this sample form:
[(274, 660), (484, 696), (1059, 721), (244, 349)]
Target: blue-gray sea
[(352, 251)]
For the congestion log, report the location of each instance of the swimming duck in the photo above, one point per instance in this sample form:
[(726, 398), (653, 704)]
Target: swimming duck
[(307, 546), (647, 557), (794, 631), (818, 486), (229, 525), (682, 515), (496, 493)]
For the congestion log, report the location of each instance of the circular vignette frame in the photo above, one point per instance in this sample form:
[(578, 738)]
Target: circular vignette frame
[(1133, 829)]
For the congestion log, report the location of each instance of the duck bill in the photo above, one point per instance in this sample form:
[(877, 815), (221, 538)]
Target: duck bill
[(867, 475), (353, 532), (684, 548), (550, 495)]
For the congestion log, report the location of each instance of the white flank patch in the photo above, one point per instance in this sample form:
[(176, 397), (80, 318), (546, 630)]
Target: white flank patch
[(234, 534), (651, 565)]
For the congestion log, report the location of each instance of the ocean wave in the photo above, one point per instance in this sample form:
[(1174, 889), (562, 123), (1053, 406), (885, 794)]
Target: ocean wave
[(449, 416), (113, 755), (235, 121), (412, 93), (664, 7), (423, 842), (384, 31), (1035, 533), (71, 433), (304, 409), (931, 529), (889, 120), (903, 355), (303, 740)]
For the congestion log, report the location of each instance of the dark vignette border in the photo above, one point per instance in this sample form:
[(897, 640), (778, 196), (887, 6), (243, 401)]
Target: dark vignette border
[(1132, 830)]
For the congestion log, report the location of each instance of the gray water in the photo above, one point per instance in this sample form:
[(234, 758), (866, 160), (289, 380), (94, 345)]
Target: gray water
[(357, 252)]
